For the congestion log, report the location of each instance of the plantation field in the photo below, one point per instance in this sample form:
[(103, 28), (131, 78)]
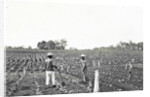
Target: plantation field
[(25, 75)]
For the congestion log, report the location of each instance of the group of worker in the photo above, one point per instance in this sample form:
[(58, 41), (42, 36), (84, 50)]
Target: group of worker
[(50, 69)]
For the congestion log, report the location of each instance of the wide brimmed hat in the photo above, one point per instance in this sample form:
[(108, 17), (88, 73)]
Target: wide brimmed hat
[(82, 55), (49, 54)]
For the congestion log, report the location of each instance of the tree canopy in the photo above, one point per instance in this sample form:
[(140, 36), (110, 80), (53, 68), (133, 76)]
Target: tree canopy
[(51, 45)]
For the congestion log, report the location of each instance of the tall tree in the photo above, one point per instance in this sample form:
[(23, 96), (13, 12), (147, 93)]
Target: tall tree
[(42, 45), (57, 45), (63, 43), (50, 45)]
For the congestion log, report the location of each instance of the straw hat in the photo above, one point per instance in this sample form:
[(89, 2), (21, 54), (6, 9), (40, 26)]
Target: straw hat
[(49, 54), (82, 55)]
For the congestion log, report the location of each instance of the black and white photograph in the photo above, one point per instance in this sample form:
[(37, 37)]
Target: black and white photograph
[(62, 48)]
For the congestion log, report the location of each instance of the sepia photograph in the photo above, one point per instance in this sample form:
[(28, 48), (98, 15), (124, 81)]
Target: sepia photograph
[(56, 48)]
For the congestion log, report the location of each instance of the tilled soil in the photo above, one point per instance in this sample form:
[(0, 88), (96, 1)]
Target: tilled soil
[(34, 84)]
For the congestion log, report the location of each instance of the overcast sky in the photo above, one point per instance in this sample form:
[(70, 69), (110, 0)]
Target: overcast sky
[(83, 26)]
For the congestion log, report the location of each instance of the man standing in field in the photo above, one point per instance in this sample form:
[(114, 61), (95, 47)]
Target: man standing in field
[(49, 67), (84, 67), (129, 68)]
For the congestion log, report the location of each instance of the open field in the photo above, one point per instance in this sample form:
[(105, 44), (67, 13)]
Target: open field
[(24, 75)]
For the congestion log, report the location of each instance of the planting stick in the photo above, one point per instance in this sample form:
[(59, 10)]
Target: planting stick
[(96, 79)]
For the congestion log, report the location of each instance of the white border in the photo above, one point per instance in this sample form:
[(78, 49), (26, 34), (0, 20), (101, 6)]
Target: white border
[(1, 50), (146, 25)]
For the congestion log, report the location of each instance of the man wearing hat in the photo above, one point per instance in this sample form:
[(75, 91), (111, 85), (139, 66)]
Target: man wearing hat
[(49, 67), (84, 67)]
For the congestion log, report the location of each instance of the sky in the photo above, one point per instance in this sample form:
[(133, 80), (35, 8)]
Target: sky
[(84, 26)]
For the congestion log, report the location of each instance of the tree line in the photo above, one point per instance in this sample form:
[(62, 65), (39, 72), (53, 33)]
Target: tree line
[(61, 45), (131, 45), (52, 45), (125, 46)]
